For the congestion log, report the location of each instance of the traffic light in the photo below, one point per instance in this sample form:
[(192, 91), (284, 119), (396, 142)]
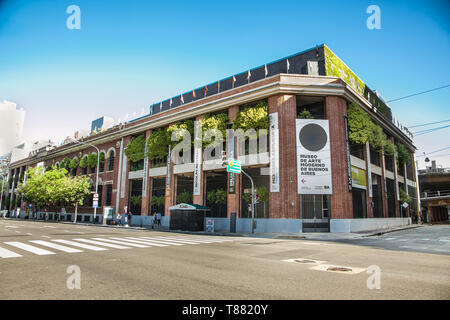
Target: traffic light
[(224, 159)]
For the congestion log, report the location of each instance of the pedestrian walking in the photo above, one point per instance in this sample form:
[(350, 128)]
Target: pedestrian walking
[(129, 215), (119, 219), (154, 219), (158, 219)]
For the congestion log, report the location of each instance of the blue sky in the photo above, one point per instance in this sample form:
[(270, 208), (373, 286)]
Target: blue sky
[(129, 54)]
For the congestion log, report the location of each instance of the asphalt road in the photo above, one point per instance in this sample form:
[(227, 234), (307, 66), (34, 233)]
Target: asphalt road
[(181, 266), (429, 239)]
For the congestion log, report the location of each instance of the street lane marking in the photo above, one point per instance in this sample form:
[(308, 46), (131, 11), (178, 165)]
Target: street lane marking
[(81, 245), (122, 242), (5, 253), (390, 239), (137, 240), (29, 248), (161, 241), (55, 246), (46, 237), (29, 234), (116, 246)]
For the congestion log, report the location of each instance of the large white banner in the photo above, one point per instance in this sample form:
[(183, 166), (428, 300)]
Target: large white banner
[(313, 157), (274, 153)]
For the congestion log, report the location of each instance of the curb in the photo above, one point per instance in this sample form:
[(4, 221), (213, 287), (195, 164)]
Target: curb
[(379, 233)]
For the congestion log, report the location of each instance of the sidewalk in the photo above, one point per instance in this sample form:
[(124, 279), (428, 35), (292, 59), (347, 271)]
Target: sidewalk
[(323, 236)]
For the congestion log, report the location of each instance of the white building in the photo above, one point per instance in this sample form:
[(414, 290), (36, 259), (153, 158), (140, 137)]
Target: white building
[(11, 126)]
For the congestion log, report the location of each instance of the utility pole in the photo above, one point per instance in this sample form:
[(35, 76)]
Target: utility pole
[(253, 200)]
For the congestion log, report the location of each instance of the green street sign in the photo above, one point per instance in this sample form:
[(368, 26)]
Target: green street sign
[(234, 166)]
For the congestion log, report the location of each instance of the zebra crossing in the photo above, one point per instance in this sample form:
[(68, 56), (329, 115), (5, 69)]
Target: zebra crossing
[(17, 249)]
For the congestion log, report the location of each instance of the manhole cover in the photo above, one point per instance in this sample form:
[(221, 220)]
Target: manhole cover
[(341, 269)]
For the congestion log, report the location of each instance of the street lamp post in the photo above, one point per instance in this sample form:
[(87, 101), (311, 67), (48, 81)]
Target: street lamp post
[(98, 164)]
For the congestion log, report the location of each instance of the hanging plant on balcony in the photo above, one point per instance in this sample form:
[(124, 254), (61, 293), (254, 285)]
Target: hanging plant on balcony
[(73, 164), (135, 150), (65, 163), (179, 130), (92, 160), (253, 116), (389, 148), (403, 154), (360, 127), (214, 122), (84, 162), (157, 144)]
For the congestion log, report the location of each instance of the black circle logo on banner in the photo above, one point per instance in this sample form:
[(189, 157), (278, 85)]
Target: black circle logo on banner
[(313, 137)]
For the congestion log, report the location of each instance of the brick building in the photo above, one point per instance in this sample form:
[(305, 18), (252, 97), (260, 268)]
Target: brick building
[(359, 187)]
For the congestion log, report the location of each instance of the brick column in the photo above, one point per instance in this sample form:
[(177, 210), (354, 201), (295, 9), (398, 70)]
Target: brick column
[(397, 208), (233, 199), (145, 202), (286, 203), (198, 199), (341, 200)]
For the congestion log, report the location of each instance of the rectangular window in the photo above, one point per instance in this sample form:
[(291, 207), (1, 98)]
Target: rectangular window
[(357, 150), (108, 194), (375, 157), (359, 203), (100, 195), (391, 196), (389, 163), (377, 196)]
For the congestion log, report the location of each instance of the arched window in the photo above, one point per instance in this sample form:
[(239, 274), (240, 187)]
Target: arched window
[(111, 160)]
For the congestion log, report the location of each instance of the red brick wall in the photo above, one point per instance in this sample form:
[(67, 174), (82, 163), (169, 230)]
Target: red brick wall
[(286, 203), (341, 200)]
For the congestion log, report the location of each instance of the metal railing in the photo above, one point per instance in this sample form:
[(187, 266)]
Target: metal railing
[(435, 194)]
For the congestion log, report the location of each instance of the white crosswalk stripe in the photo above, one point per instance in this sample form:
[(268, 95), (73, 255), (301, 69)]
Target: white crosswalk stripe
[(152, 240), (55, 246), (5, 253), (109, 245), (80, 245), (101, 244), (29, 248), (186, 239), (122, 242), (137, 240)]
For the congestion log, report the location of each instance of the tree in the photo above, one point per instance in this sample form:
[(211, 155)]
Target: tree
[(305, 114), (135, 150), (378, 139), (389, 148), (263, 196), (184, 197), (74, 191)]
